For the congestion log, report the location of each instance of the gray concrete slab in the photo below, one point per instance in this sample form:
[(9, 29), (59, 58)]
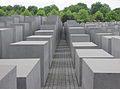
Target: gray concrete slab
[(101, 74), (32, 49), (48, 38), (116, 46), (8, 77), (81, 45), (76, 30), (26, 29), (44, 32), (106, 43), (87, 53), (28, 72), (79, 37), (6, 37), (98, 38)]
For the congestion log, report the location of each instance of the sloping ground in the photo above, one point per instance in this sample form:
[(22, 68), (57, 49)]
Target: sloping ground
[(62, 75)]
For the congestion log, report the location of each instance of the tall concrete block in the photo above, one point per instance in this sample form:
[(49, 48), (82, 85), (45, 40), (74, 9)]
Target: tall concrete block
[(6, 37), (28, 72), (32, 49), (44, 32), (18, 32), (81, 45), (101, 74), (26, 29), (98, 38), (87, 53), (48, 38), (7, 77)]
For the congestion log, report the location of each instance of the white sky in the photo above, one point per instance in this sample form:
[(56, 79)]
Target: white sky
[(60, 3)]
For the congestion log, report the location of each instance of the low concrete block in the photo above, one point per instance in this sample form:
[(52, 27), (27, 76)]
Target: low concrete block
[(32, 49), (44, 32), (7, 77), (87, 53), (80, 38), (98, 38), (28, 72), (101, 74), (106, 43), (81, 45), (76, 30)]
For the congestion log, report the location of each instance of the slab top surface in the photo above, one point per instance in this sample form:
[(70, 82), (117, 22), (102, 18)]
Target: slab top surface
[(40, 36), (92, 53), (5, 29), (76, 28), (45, 31), (83, 44), (109, 37), (103, 33), (79, 35), (5, 69), (24, 66), (30, 43), (103, 65)]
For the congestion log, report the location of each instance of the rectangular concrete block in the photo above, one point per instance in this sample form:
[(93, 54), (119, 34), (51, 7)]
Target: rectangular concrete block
[(107, 43), (87, 53), (80, 37), (76, 30), (48, 38), (26, 29), (44, 32), (8, 77), (18, 32), (101, 74), (98, 38), (28, 72), (48, 27), (116, 46), (81, 45), (6, 37), (32, 49)]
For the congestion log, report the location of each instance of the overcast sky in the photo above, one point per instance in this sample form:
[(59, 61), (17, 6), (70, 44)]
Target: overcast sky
[(60, 3)]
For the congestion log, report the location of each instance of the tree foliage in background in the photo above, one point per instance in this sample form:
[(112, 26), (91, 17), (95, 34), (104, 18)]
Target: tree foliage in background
[(26, 13), (80, 12)]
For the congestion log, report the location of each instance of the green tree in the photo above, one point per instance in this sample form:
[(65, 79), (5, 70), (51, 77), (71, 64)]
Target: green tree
[(105, 9), (41, 13), (2, 13), (76, 8), (112, 16), (67, 16), (117, 10), (11, 13), (82, 16), (33, 9), (99, 16), (48, 9), (96, 7), (26, 13), (53, 12)]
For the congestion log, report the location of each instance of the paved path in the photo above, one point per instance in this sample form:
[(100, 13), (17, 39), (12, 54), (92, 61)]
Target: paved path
[(62, 75)]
